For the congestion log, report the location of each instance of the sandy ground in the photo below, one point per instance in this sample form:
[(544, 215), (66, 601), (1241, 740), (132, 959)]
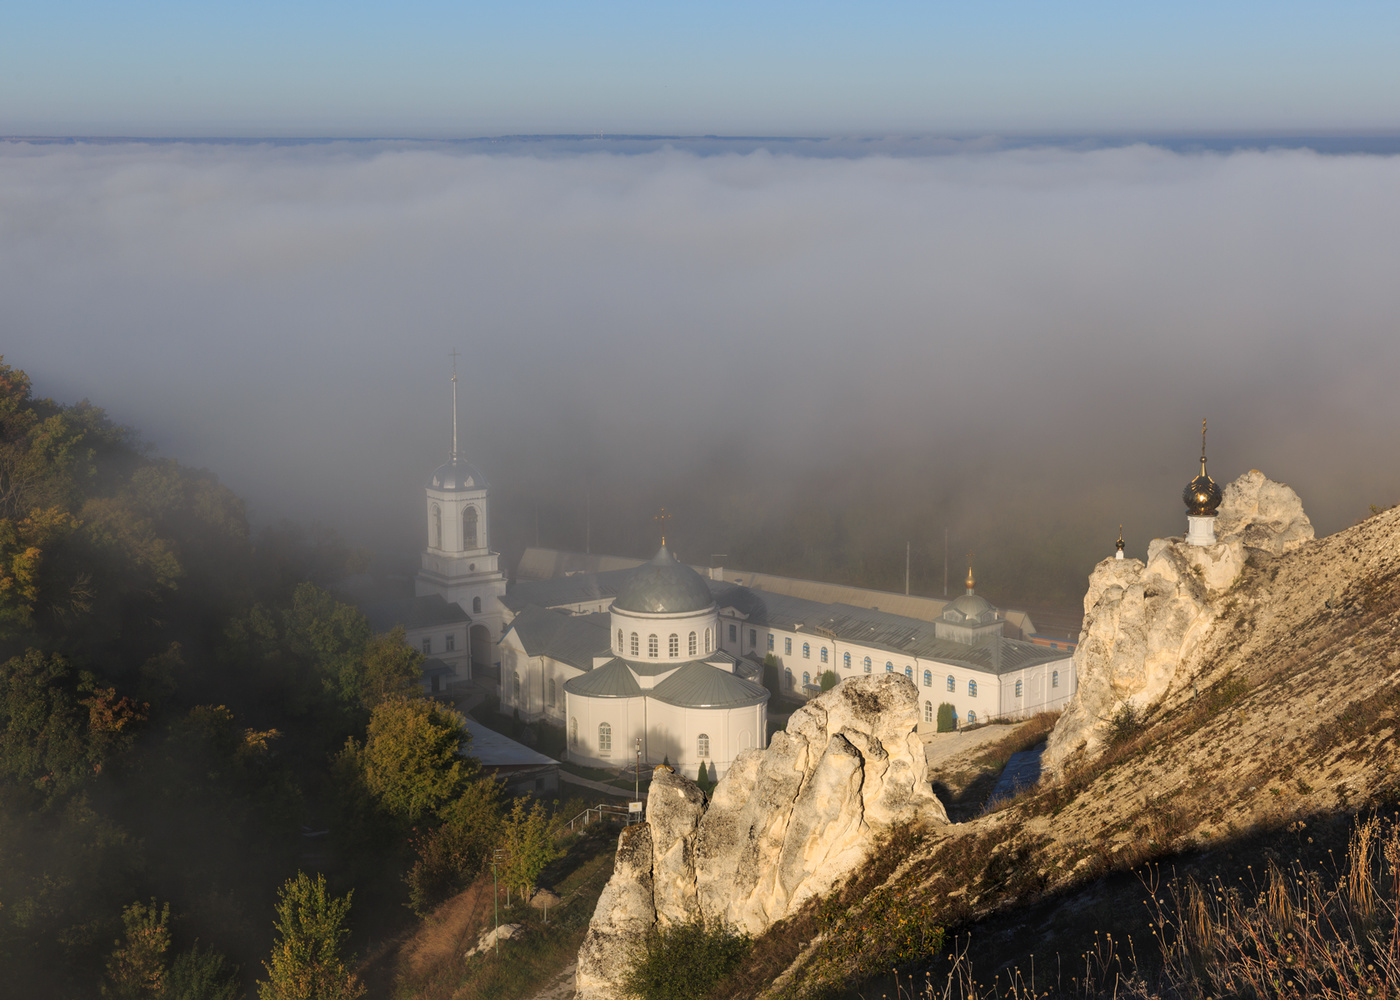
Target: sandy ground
[(941, 749), (561, 987)]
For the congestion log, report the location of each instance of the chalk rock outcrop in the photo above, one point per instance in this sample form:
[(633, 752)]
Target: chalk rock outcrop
[(1144, 622), (784, 824)]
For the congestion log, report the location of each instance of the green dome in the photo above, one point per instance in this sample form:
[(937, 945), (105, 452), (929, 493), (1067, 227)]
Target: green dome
[(664, 586)]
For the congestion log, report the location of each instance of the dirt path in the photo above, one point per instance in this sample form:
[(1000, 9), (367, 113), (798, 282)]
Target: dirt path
[(942, 748), (561, 987)]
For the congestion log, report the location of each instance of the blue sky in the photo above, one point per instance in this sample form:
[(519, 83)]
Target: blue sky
[(459, 69)]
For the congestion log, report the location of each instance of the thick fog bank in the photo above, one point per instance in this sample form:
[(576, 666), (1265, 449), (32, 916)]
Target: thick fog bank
[(811, 360)]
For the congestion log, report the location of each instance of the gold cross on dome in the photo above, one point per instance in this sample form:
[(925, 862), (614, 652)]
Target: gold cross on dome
[(661, 519)]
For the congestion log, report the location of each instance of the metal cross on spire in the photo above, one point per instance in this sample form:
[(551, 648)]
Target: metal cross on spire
[(454, 404), (1203, 446), (661, 519)]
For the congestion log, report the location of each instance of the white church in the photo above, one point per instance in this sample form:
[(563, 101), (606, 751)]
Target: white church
[(656, 660)]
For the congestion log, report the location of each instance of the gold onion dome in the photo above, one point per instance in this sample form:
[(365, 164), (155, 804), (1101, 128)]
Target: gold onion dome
[(1202, 496)]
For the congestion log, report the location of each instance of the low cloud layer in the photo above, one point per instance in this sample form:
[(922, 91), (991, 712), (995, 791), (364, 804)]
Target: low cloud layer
[(1015, 338)]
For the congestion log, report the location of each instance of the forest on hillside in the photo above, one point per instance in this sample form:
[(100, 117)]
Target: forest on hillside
[(214, 778)]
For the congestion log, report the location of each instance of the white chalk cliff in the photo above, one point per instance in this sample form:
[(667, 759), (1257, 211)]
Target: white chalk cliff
[(1146, 624), (785, 824)]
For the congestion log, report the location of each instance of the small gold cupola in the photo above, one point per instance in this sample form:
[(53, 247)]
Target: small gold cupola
[(1201, 496)]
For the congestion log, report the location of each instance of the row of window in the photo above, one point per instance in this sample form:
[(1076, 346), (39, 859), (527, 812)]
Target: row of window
[(450, 643), (469, 519), (673, 644), (702, 742)]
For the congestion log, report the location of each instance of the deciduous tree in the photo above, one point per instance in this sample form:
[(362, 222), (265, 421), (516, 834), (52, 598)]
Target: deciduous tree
[(306, 962)]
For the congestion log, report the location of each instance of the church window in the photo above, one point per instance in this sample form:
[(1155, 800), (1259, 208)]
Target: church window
[(653, 646), (928, 678), (693, 647), (476, 605), (952, 684), (673, 646), (604, 740), (867, 664), (928, 711), (573, 730), (1018, 689), (437, 526), (551, 692), (1055, 679), (702, 745), (971, 718), (770, 642), (753, 637), (972, 689), (469, 527), (635, 649), (619, 640), (708, 645), (824, 654), (909, 672), (889, 667), (428, 646), (787, 677), (451, 641), (806, 650), (806, 679), (787, 647), (733, 633), (515, 685), (846, 660)]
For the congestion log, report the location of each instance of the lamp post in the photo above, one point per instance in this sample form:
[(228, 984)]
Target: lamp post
[(637, 774)]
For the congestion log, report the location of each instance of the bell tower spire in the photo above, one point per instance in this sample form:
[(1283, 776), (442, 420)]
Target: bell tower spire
[(454, 404)]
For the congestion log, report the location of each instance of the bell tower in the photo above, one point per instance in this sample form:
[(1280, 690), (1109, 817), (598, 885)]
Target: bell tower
[(457, 560)]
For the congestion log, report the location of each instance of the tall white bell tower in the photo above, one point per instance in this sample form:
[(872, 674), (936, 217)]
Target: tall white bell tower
[(457, 561)]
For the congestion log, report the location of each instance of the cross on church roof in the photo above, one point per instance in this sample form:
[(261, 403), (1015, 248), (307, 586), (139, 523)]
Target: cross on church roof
[(661, 519)]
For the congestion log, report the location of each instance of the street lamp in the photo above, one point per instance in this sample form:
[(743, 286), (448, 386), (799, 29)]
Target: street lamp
[(637, 775)]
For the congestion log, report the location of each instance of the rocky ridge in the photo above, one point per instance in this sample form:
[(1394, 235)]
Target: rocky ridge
[(785, 824)]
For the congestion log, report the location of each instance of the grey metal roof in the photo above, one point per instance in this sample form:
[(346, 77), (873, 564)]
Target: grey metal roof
[(562, 591), (611, 680), (456, 476), (414, 612), (896, 634), (699, 685), (496, 750), (571, 639), (664, 586)]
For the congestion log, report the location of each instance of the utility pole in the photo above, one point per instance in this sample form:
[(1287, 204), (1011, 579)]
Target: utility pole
[(637, 775), (497, 893), (945, 562), (906, 569)]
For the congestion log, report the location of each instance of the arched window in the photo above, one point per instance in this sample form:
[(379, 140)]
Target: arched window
[(867, 664), (1018, 689), (806, 650), (1055, 679), (604, 740), (952, 685), (707, 641), (770, 642), (692, 644), (476, 605), (469, 527), (573, 730), (653, 647), (928, 678), (806, 679), (673, 646), (551, 692), (909, 672), (823, 654), (619, 640), (702, 745), (971, 718), (928, 711), (515, 686), (437, 526), (889, 667), (846, 660), (636, 650), (787, 677), (972, 689)]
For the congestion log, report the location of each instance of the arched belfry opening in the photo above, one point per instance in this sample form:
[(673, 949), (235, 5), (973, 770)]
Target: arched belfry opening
[(469, 520), (436, 527)]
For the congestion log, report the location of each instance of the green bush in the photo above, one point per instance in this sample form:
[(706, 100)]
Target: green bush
[(829, 679), (1126, 723), (947, 718), (684, 962)]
